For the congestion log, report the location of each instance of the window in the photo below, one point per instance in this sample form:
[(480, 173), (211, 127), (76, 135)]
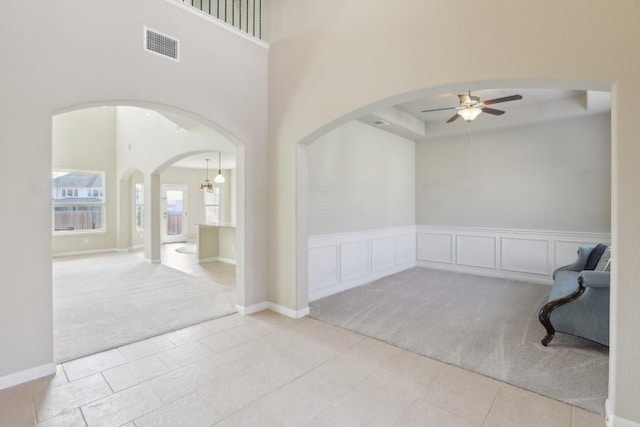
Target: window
[(139, 201), (212, 207), (78, 202)]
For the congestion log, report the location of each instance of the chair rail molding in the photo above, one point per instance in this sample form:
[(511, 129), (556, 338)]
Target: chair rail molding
[(530, 255), (342, 261)]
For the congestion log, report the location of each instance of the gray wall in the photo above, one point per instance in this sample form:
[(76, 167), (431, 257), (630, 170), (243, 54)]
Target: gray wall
[(551, 176), (360, 178)]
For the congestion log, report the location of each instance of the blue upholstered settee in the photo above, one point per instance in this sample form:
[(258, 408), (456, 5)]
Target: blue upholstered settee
[(579, 299)]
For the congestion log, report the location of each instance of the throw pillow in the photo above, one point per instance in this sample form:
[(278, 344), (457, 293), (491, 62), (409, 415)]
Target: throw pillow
[(594, 256), (605, 261)]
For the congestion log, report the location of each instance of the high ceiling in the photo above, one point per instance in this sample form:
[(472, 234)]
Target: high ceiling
[(537, 105), (197, 161)]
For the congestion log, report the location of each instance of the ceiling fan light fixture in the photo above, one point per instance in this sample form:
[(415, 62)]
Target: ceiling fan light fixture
[(470, 114)]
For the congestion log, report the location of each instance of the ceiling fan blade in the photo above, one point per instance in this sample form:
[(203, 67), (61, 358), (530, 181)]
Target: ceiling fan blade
[(505, 99), (492, 111), (438, 109), (455, 116)]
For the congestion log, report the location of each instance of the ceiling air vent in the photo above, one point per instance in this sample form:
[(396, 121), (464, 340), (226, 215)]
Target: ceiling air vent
[(160, 44), (379, 123)]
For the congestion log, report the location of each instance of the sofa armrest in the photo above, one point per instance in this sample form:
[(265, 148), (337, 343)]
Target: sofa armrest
[(578, 264), (594, 279)]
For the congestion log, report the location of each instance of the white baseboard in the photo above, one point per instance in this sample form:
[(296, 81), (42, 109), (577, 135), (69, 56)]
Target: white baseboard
[(294, 314), (245, 311), (485, 272), (27, 375), (615, 421), (341, 261), (325, 291), (218, 259), (91, 252)]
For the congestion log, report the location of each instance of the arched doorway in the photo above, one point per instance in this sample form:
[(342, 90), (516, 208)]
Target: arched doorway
[(140, 144), (342, 258)]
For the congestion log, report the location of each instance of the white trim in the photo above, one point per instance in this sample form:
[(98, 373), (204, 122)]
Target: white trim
[(90, 252), (615, 421), (214, 259), (27, 375), (325, 291), (342, 261), (480, 271), (294, 314), (554, 233), (212, 19), (245, 311), (528, 255), (136, 247), (354, 236)]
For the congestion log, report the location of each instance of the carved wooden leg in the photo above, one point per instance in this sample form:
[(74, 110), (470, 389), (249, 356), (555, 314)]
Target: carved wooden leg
[(545, 312)]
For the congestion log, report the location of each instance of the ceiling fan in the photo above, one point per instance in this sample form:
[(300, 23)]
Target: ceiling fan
[(470, 106)]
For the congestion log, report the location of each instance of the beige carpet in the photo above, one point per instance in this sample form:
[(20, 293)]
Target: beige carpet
[(105, 301), (481, 324)]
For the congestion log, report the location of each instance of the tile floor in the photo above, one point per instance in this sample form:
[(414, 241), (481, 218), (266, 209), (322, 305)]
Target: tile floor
[(268, 370)]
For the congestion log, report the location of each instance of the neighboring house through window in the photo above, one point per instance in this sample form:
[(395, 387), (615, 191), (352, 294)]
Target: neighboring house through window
[(78, 201)]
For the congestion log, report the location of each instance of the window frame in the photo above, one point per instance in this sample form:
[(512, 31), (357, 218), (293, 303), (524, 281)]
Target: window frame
[(138, 202), (216, 190), (75, 192)]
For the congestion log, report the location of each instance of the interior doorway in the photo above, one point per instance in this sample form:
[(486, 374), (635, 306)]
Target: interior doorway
[(174, 213), (106, 291)]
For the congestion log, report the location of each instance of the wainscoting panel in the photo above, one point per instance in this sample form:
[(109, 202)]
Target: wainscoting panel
[(435, 247), (383, 253), (566, 251), (525, 255), (476, 251), (323, 266), (530, 255), (354, 259), (405, 248), (338, 262)]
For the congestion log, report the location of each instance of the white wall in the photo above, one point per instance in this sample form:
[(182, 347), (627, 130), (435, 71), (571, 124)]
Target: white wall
[(65, 55), (360, 178), (85, 140), (548, 176)]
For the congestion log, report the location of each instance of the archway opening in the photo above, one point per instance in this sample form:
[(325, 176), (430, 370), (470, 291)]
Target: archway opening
[(109, 286), (503, 197)]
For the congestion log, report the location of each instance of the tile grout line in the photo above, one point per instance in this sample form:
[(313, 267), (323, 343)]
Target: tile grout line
[(493, 404)]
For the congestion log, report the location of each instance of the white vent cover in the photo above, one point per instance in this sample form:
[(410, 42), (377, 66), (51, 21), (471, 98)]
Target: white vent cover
[(379, 123), (160, 44)]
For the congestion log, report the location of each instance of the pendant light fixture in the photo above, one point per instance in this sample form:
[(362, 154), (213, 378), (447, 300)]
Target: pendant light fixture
[(206, 185), (219, 179)]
